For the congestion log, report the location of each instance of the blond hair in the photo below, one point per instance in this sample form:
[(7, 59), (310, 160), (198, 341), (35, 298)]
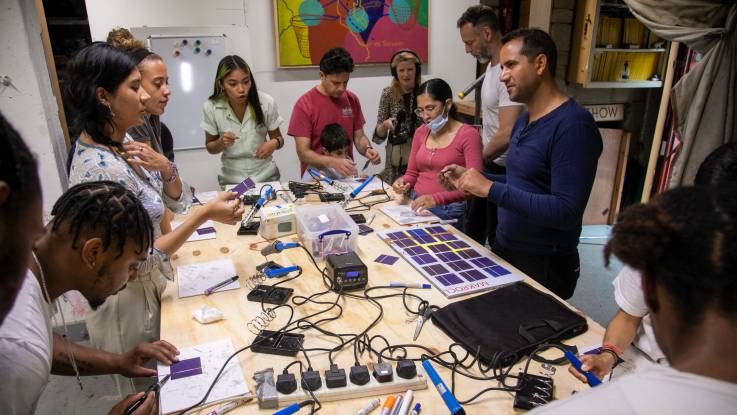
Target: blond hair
[(396, 89), (122, 38)]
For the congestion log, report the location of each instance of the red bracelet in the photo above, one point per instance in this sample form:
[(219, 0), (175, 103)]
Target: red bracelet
[(610, 346)]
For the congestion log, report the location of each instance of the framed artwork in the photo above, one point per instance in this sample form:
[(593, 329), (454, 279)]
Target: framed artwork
[(371, 30)]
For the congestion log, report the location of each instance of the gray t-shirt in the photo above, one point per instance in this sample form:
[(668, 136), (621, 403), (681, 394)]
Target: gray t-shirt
[(493, 96), (149, 131)]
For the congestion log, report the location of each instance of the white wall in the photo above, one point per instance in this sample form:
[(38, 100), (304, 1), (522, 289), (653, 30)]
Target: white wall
[(29, 103), (249, 26)]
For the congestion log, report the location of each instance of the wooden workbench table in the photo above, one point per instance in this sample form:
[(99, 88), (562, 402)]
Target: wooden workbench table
[(178, 327)]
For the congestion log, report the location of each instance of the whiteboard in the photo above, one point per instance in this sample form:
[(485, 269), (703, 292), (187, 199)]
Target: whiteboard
[(191, 79)]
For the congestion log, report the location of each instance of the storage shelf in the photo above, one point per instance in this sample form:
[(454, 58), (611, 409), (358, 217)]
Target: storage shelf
[(624, 84), (601, 50)]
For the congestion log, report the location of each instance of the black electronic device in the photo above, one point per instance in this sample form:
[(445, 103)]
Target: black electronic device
[(346, 271), (359, 375), (311, 380), (332, 197), (335, 377), (406, 369), (267, 265), (251, 199), (270, 295), (534, 391), (358, 218), (286, 383), (282, 344), (251, 229)]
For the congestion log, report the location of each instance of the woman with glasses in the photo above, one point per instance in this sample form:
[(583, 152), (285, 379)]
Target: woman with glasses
[(441, 141)]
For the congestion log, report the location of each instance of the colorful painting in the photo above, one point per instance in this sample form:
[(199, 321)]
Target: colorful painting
[(371, 30)]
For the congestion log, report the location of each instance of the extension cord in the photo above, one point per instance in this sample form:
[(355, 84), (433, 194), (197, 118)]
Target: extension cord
[(372, 389)]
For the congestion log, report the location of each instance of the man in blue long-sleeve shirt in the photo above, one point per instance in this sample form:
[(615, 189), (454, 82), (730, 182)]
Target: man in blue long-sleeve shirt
[(551, 165)]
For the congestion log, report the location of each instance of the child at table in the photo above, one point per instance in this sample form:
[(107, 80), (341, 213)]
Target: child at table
[(335, 143)]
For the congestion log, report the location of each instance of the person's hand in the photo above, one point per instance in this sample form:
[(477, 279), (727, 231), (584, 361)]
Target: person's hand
[(147, 408), (345, 167), (228, 139), (598, 364), (147, 157), (266, 149), (422, 203), (473, 182), (387, 125), (373, 155), (400, 187), (449, 176), (131, 363), (225, 208)]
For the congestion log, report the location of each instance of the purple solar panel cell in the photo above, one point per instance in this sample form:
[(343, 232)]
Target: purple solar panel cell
[(473, 275), (453, 279), (468, 253), (458, 244), (405, 243), (415, 250), (448, 256), (500, 270), (445, 237), (204, 231), (397, 235), (424, 259), (483, 262), (186, 368), (435, 229), (243, 186), (443, 281), (460, 265), (439, 248), (435, 269)]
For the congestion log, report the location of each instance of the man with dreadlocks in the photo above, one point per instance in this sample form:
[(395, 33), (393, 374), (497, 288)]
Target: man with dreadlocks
[(99, 235)]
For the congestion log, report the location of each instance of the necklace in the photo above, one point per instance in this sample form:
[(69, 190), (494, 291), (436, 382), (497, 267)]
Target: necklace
[(63, 321)]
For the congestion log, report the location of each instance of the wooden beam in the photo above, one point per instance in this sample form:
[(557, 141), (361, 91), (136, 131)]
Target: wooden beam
[(540, 11), (624, 150), (659, 124), (51, 65)]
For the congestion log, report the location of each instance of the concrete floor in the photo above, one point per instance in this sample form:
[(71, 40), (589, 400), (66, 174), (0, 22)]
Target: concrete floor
[(594, 295)]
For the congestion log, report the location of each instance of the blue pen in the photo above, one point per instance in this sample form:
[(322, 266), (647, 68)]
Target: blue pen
[(278, 272), (590, 377), (451, 402), (416, 409), (424, 286), (289, 409)]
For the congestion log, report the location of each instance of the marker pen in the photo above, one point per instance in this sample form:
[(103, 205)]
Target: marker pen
[(424, 286)]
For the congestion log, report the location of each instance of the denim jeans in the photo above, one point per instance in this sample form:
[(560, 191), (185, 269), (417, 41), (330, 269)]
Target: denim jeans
[(455, 210)]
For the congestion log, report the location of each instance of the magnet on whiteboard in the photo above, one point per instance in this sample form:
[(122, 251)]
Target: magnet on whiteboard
[(184, 42), (196, 50), (208, 52), (177, 53)]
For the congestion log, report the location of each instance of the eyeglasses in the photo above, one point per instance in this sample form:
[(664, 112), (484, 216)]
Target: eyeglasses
[(429, 109)]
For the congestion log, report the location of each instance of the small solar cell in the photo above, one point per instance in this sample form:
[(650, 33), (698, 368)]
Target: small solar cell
[(500, 270), (445, 237), (418, 233), (439, 248), (435, 269), (424, 259), (435, 229), (460, 265), (443, 280), (415, 250), (458, 244), (491, 272), (448, 256), (397, 235), (468, 253), (453, 279), (483, 262), (473, 275), (405, 243)]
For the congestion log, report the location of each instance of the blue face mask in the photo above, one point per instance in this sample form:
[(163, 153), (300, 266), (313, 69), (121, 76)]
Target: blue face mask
[(438, 123)]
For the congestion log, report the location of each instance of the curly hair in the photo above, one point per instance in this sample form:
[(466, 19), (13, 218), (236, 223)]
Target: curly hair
[(336, 60), (684, 240)]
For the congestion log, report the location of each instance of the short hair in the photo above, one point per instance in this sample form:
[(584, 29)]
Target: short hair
[(719, 167), (97, 65), (479, 15), (685, 240), (439, 90), (535, 42), (18, 167), (336, 60), (106, 209), (227, 65), (333, 137)]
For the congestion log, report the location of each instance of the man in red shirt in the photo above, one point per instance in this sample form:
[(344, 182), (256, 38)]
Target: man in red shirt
[(327, 103)]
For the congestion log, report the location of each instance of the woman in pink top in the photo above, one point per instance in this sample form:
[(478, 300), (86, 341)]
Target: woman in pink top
[(441, 141)]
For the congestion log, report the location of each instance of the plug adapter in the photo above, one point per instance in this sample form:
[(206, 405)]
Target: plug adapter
[(406, 369), (311, 380), (335, 377), (286, 383), (359, 375), (383, 372)]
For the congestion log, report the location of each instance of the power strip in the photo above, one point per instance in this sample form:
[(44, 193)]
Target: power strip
[(351, 391)]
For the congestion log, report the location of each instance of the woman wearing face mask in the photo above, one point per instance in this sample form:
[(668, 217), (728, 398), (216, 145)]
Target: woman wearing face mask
[(442, 140), (237, 120), (102, 90), (396, 118)]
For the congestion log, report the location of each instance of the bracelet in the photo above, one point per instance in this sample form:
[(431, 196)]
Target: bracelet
[(174, 173), (612, 347), (614, 355), (279, 141)]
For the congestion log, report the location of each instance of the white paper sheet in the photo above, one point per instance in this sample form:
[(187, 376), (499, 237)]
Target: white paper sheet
[(404, 215), (194, 279), (196, 236), (181, 393)]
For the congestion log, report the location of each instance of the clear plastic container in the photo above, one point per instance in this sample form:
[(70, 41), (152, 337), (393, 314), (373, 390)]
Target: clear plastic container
[(326, 229)]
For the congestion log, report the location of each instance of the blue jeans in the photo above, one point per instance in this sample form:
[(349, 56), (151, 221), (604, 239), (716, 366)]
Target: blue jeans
[(455, 210)]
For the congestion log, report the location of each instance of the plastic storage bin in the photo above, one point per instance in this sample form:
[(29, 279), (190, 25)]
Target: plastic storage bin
[(326, 229)]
